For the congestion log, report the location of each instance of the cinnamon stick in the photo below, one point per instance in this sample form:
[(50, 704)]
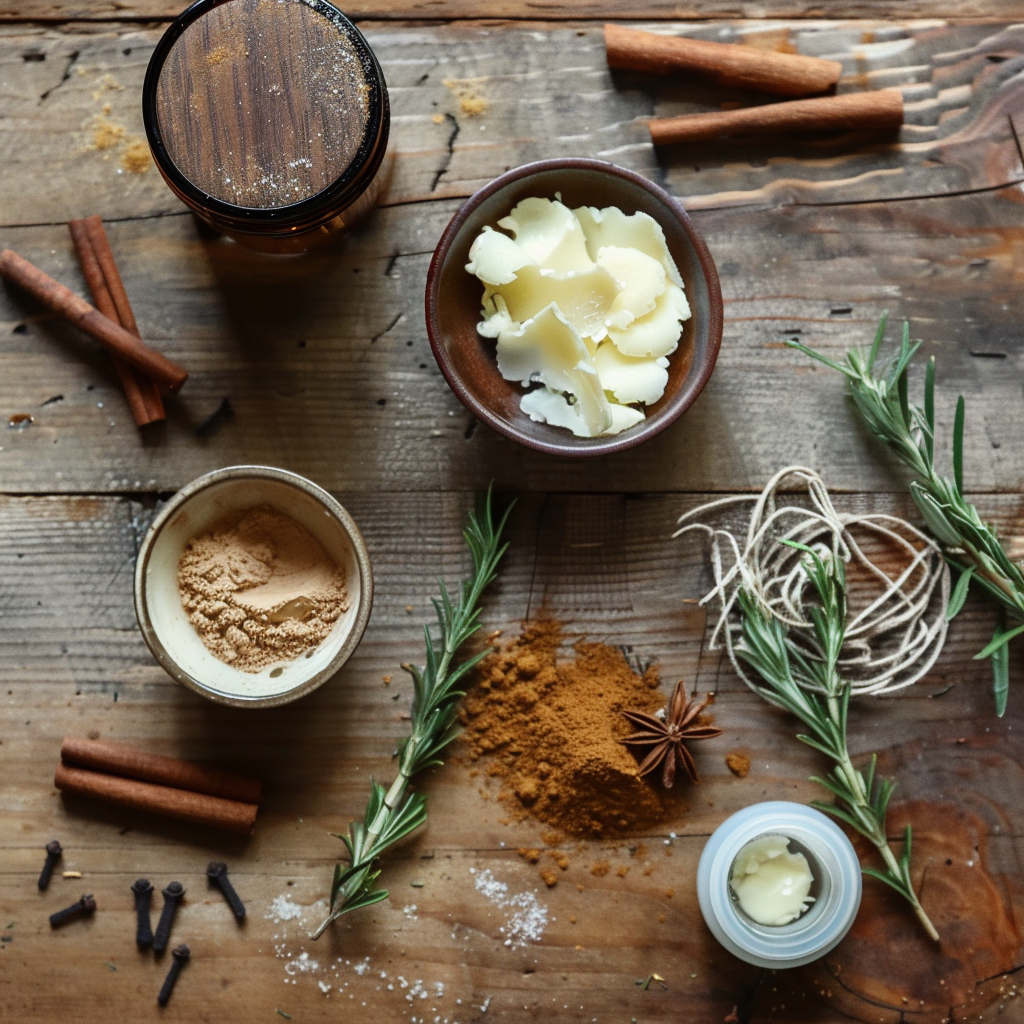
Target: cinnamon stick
[(121, 759), (129, 377), (125, 315), (860, 111), (75, 309), (729, 64), (232, 815)]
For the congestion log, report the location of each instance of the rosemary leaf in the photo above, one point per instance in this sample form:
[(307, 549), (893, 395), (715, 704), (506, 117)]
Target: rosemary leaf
[(956, 602), (391, 814), (969, 545), (1001, 670)]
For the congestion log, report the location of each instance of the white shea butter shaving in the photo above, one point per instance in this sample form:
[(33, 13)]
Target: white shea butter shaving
[(771, 884), (588, 304)]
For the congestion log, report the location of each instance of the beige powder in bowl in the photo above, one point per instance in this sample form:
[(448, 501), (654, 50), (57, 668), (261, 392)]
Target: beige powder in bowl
[(259, 589)]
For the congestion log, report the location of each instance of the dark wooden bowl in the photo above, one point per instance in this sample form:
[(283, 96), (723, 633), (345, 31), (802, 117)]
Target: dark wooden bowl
[(468, 361)]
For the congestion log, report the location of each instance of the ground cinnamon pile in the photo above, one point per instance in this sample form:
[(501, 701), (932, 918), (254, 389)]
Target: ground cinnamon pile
[(259, 589), (552, 729)]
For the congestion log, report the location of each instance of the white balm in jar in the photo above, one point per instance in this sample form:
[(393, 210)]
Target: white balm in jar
[(779, 884), (771, 880)]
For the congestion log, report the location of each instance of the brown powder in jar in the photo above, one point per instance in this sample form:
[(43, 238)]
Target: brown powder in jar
[(259, 589), (552, 731)]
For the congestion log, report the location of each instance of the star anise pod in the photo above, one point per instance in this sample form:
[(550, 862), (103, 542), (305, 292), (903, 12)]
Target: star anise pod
[(666, 738)]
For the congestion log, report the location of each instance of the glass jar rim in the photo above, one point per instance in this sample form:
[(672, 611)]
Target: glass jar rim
[(815, 932)]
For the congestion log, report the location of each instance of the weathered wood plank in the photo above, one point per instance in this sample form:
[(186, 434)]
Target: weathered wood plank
[(605, 564), (325, 359), (72, 106), (957, 91), (444, 10), (327, 365)]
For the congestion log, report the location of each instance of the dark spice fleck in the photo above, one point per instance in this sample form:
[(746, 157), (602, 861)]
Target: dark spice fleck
[(216, 419)]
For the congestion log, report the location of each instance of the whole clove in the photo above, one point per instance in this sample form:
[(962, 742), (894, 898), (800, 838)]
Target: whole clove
[(217, 873), (53, 852), (143, 891), (82, 907), (181, 955), (172, 897)]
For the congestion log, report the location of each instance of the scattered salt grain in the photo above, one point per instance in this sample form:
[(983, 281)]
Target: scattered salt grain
[(528, 917), (302, 964), (283, 908)]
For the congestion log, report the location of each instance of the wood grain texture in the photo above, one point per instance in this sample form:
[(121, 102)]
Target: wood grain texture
[(326, 364), (566, 10), (73, 107), (328, 369), (244, 132), (325, 360), (604, 563)]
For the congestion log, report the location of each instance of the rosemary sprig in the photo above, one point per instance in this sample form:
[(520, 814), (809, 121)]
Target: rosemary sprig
[(969, 545), (807, 683), (393, 813)]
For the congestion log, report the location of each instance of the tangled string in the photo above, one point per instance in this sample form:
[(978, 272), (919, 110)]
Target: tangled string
[(891, 641)]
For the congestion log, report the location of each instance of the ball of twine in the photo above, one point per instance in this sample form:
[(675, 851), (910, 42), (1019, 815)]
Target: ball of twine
[(897, 627)]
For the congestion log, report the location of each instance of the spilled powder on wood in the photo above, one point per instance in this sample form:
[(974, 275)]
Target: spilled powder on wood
[(550, 729)]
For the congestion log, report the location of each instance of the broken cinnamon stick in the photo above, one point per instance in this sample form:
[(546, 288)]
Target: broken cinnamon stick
[(860, 111), (75, 309), (232, 815), (729, 64), (121, 759), (97, 235), (130, 378)]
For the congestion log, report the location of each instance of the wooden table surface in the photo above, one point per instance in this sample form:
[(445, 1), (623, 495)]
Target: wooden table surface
[(326, 363)]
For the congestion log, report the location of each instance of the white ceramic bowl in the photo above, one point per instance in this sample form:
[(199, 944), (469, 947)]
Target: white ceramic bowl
[(194, 510)]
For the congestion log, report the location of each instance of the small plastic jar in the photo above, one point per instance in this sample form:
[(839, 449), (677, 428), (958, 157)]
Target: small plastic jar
[(836, 888), (270, 119)]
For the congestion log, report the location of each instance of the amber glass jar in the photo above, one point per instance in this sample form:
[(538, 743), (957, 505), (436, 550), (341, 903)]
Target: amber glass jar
[(269, 118)]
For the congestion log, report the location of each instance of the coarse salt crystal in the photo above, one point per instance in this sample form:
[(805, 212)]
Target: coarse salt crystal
[(283, 908), (528, 916)]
